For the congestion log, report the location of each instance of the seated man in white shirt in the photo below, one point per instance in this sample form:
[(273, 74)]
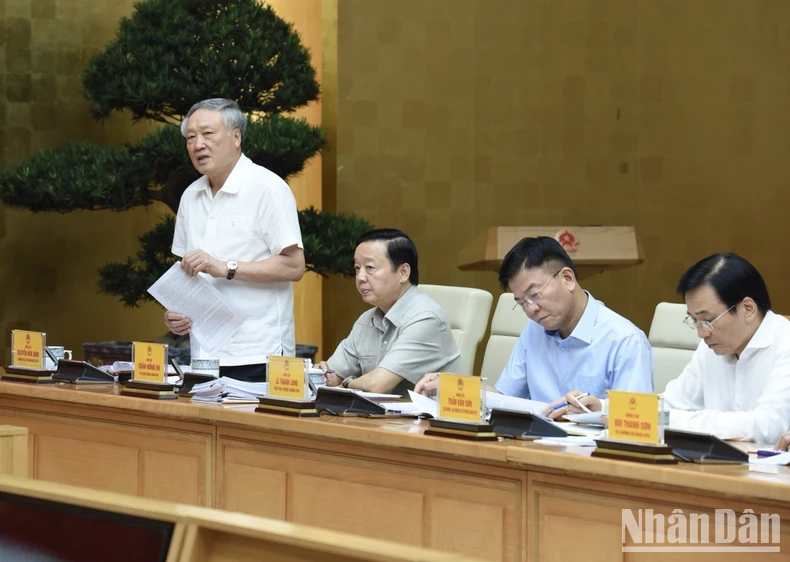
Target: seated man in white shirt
[(737, 385)]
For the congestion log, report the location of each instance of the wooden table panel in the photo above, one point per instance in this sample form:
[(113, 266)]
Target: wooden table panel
[(109, 450), (13, 450), (505, 500), (593, 510), (412, 499)]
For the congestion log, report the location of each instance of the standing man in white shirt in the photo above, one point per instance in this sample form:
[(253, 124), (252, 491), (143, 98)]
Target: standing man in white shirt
[(237, 226), (737, 385)]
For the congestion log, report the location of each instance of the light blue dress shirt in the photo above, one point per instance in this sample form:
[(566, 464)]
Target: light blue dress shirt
[(605, 351)]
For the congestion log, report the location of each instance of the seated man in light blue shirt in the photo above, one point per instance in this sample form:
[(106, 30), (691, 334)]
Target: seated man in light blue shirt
[(573, 341)]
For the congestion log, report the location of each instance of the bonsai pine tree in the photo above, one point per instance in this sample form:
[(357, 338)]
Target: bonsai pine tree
[(168, 55)]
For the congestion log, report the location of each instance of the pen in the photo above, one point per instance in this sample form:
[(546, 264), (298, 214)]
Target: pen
[(576, 399), (766, 453), (582, 406)]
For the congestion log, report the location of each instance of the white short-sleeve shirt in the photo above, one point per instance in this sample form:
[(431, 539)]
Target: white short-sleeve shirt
[(253, 217), (746, 398)]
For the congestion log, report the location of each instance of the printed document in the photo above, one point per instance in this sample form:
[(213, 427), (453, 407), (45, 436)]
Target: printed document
[(214, 319), (503, 402)]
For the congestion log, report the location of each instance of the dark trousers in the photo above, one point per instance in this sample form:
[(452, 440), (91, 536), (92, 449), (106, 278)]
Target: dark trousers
[(248, 373)]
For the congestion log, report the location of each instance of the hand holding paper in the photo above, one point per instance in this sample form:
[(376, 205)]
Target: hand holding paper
[(214, 320)]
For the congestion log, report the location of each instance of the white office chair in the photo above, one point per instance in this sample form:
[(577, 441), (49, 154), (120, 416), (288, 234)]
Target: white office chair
[(467, 312), (506, 327), (673, 343)]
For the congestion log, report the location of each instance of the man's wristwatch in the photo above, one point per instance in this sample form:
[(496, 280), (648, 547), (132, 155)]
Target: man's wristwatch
[(232, 267), (347, 380)]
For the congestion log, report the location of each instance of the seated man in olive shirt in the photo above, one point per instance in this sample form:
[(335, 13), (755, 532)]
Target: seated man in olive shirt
[(405, 336)]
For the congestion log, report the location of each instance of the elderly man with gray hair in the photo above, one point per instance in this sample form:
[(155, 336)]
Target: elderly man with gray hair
[(237, 226)]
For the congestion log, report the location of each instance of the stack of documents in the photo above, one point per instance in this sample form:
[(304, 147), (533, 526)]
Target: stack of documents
[(421, 405), (208, 392), (503, 402), (535, 407), (225, 390)]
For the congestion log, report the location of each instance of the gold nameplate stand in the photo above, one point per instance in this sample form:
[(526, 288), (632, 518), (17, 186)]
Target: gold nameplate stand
[(150, 390), (651, 454), (28, 376), (284, 407), (290, 391), (461, 430), (461, 409), (149, 377), (28, 350)]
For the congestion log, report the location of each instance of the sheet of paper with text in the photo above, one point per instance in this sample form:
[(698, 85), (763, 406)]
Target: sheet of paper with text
[(214, 319)]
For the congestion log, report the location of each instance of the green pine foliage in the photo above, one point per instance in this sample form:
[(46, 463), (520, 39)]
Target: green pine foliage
[(171, 53), (332, 240), (76, 176), (166, 56)]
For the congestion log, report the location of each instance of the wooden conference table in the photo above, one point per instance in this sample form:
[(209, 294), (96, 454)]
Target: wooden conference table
[(380, 478)]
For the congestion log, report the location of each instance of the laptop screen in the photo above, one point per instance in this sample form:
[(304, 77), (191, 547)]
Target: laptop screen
[(33, 530)]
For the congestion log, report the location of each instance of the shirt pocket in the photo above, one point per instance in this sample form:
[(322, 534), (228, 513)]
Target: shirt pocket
[(367, 363), (235, 237), (595, 385)]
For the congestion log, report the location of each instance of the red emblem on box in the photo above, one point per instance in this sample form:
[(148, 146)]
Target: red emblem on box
[(568, 241), (460, 383)]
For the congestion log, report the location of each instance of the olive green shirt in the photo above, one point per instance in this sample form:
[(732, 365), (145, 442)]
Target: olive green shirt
[(412, 339)]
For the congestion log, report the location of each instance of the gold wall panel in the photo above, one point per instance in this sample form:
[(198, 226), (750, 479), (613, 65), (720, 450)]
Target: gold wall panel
[(456, 115), (50, 261)]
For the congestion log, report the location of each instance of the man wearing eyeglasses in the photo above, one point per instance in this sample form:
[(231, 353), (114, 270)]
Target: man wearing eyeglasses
[(737, 385), (573, 342)]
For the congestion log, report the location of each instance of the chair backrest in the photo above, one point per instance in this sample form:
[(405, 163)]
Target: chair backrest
[(673, 343), (467, 312), (506, 327)]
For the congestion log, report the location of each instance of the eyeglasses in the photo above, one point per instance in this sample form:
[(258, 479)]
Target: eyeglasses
[(534, 297), (705, 325)]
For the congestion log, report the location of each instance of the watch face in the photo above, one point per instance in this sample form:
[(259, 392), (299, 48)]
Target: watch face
[(232, 267)]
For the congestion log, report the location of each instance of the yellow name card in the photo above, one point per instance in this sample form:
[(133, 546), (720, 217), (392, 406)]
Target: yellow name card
[(27, 349), (633, 416), (286, 378), (150, 362), (459, 397)]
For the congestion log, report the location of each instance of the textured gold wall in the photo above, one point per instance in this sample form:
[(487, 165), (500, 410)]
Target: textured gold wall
[(457, 115), (48, 272)]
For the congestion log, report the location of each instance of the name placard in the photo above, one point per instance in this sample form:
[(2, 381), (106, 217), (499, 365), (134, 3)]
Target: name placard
[(27, 349), (459, 397), (286, 378), (633, 416), (150, 362)]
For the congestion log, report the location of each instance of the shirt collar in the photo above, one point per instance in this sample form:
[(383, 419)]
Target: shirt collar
[(395, 314), (231, 186), (586, 326), (764, 335)]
